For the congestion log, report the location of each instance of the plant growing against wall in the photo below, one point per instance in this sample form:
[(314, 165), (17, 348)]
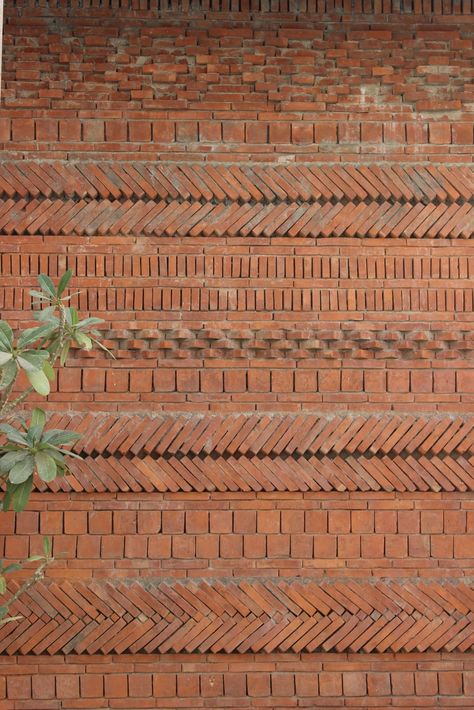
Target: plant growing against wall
[(31, 448)]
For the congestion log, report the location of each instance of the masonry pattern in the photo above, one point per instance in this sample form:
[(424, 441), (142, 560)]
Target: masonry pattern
[(271, 205)]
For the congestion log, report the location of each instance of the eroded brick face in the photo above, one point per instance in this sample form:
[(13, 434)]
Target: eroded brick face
[(271, 207)]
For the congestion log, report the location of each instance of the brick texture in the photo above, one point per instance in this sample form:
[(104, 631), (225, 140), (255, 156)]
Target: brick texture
[(271, 207)]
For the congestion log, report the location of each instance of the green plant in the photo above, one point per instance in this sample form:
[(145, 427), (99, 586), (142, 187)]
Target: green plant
[(31, 448)]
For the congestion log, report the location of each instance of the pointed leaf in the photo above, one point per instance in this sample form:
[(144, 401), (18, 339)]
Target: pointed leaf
[(47, 285), (64, 353), (21, 495), (86, 322), (12, 434), (14, 567), (37, 295), (60, 437), (32, 334), (65, 278), (47, 546)]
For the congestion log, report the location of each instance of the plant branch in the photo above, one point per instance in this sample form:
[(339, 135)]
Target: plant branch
[(27, 584)]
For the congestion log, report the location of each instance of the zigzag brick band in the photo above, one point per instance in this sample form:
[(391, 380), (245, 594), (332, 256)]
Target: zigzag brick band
[(208, 201), (244, 616), (269, 453)]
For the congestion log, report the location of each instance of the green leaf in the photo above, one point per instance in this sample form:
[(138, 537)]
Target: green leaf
[(47, 285), (32, 334), (45, 465), (71, 315), (64, 353), (31, 360), (48, 370), (48, 315), (12, 434), (60, 437), (66, 452), (8, 374), (3, 584), (21, 494), (39, 382), (6, 335), (83, 340), (11, 568), (86, 322), (59, 458), (7, 498), (38, 418), (7, 461), (35, 558), (65, 278), (37, 295), (47, 546), (22, 470), (4, 358)]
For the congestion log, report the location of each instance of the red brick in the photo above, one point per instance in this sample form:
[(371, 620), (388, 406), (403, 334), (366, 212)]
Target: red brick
[(23, 129), (330, 684)]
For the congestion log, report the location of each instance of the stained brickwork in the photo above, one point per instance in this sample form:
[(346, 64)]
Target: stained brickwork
[(271, 207)]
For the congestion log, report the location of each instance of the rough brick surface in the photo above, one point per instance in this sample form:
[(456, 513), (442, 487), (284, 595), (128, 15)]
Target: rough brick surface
[(271, 206), (241, 86)]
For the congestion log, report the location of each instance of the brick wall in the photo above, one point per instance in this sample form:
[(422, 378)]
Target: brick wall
[(271, 207)]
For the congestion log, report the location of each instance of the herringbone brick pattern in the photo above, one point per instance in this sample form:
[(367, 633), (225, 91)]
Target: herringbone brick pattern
[(303, 201), (269, 453), (245, 616)]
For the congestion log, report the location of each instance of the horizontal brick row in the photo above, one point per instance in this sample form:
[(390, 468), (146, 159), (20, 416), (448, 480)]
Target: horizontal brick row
[(299, 303), (194, 680), (278, 542), (247, 183), (221, 7), (123, 265), (315, 384), (241, 616), (217, 513)]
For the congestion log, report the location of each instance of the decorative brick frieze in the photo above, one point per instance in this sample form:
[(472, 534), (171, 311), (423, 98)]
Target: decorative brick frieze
[(242, 616)]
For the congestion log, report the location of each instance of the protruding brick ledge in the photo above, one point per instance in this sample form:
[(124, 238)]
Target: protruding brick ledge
[(245, 616)]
